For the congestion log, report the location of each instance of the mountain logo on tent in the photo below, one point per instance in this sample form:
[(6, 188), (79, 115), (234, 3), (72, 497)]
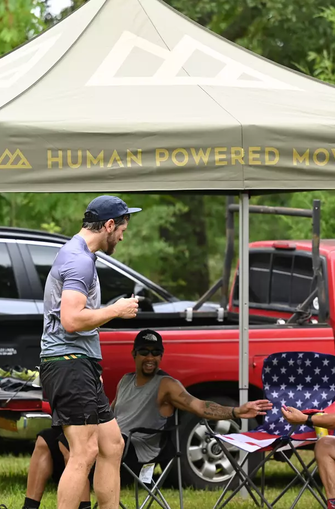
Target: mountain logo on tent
[(180, 66), (16, 161)]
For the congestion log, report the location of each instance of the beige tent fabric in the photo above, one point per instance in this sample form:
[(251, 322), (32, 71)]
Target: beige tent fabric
[(129, 95)]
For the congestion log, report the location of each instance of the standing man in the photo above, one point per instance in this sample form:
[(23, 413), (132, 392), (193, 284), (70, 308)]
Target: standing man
[(70, 351)]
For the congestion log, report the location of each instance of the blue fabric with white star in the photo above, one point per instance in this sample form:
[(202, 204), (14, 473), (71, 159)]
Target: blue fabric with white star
[(304, 380)]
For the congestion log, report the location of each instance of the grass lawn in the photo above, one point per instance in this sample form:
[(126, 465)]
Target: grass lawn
[(13, 476)]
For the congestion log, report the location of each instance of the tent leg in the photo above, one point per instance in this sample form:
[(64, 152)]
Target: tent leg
[(244, 313)]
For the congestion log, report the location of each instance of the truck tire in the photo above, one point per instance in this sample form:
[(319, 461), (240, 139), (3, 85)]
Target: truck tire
[(203, 464)]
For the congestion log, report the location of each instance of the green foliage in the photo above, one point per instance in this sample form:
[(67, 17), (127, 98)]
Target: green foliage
[(19, 20), (323, 64), (281, 30)]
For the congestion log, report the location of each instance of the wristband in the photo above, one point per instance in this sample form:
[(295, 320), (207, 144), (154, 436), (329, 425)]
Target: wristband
[(233, 413), (309, 422)]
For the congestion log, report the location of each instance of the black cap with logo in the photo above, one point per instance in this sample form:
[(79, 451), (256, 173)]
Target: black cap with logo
[(148, 337)]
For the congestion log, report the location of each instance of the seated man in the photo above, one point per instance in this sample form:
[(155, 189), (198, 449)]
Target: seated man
[(324, 448), (146, 398), (149, 396)]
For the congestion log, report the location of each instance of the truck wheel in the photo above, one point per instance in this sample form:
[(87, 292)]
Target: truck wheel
[(203, 463)]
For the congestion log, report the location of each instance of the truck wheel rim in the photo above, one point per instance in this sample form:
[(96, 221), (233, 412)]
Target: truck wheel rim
[(205, 456)]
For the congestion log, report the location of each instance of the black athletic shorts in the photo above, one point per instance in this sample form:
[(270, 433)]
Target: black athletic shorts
[(51, 437), (75, 392)]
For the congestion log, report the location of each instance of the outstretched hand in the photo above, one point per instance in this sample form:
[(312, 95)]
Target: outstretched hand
[(293, 415), (253, 408)]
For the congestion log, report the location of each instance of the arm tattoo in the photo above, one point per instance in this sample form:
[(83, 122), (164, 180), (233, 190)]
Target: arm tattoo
[(186, 397), (215, 411)]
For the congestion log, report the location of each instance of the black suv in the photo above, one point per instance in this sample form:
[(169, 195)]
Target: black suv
[(26, 257)]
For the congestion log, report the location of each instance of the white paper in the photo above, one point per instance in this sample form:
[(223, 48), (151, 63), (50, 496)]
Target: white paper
[(146, 473)]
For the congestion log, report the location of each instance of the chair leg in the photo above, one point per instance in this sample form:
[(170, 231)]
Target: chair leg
[(136, 493), (139, 482), (180, 483), (309, 478), (156, 487), (263, 477), (245, 481)]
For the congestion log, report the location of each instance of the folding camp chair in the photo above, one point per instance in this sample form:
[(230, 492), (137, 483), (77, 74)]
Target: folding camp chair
[(169, 456), (299, 379)]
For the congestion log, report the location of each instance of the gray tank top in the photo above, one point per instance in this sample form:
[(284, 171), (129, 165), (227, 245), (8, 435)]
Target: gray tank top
[(137, 407)]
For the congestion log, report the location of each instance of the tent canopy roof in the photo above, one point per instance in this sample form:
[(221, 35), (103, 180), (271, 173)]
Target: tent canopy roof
[(129, 95)]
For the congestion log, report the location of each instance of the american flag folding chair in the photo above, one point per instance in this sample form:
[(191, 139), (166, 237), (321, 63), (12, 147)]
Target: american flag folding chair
[(305, 380)]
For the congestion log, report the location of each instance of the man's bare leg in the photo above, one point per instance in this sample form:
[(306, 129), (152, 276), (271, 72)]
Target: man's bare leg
[(107, 469), (86, 495), (40, 470), (325, 457), (83, 443)]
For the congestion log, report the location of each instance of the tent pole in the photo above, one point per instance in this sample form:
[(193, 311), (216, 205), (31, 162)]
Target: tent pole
[(244, 312)]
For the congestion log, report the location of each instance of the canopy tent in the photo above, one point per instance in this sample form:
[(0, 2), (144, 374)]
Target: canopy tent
[(129, 95)]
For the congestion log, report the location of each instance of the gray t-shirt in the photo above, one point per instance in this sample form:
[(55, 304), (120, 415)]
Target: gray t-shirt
[(73, 269)]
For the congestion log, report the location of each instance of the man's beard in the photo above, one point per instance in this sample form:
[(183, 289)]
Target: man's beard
[(111, 245), (149, 375)]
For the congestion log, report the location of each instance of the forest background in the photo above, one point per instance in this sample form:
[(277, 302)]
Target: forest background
[(179, 240)]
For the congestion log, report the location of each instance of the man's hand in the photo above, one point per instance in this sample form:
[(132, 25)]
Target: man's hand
[(253, 408), (126, 308), (293, 415)]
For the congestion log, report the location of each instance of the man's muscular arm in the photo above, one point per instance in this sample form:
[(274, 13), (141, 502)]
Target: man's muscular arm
[(174, 393), (178, 396), (76, 317)]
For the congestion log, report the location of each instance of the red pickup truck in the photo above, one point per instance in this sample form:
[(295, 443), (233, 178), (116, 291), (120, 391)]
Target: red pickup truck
[(202, 348)]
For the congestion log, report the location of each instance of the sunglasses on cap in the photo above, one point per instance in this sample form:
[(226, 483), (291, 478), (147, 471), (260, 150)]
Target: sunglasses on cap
[(145, 351)]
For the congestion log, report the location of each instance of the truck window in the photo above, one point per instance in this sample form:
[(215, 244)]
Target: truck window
[(259, 277), (281, 279), (302, 278), (8, 288), (278, 279)]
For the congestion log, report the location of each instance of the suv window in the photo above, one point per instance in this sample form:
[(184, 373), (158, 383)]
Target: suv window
[(8, 288), (283, 279), (43, 258), (113, 283)]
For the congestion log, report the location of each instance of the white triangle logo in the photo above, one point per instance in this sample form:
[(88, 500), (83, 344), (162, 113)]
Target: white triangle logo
[(232, 74), (24, 59)]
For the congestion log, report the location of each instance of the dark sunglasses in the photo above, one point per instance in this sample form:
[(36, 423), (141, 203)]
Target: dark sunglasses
[(145, 351)]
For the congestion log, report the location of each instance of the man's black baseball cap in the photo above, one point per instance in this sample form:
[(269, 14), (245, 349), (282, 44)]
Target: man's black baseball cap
[(148, 337), (107, 207)]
